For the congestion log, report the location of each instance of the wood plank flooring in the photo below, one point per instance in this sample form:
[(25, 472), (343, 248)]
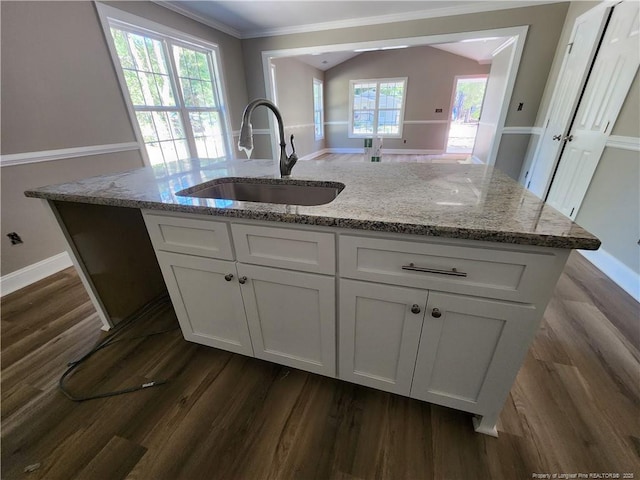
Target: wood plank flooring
[(574, 407)]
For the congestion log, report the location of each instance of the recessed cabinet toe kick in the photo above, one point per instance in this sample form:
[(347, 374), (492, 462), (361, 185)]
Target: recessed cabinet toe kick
[(445, 321)]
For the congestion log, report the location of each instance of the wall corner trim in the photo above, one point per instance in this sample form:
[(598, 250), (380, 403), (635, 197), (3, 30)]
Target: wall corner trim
[(618, 272), (62, 153), (13, 281), (624, 143)]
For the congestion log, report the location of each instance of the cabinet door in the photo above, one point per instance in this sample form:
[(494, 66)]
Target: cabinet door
[(470, 351), (379, 334), (208, 306), (291, 317)]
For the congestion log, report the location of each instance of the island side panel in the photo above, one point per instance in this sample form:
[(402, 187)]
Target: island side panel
[(114, 252)]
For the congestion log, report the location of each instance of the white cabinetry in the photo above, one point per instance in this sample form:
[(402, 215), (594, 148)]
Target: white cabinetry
[(207, 301), (275, 314), (446, 321), (291, 317), (379, 332), (470, 351), (461, 351)]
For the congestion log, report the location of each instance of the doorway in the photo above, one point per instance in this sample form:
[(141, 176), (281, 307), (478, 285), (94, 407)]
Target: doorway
[(466, 106)]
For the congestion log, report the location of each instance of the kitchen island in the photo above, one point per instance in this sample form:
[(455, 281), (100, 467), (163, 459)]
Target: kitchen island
[(425, 280)]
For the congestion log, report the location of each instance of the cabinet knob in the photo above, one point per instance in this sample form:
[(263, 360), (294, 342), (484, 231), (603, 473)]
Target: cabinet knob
[(436, 313), (242, 280), (415, 308), (557, 137), (228, 277)]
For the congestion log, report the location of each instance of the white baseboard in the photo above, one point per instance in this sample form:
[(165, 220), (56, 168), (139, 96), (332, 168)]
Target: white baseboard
[(316, 154), (13, 281), (345, 150), (390, 151), (617, 271)]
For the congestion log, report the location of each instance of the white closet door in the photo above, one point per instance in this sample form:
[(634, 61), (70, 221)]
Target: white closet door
[(613, 72), (579, 54)]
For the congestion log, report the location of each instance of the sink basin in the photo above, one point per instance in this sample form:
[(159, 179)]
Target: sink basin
[(288, 192)]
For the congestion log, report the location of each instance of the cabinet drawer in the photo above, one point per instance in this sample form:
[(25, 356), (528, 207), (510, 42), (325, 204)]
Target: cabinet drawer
[(482, 271), (194, 236), (285, 248)]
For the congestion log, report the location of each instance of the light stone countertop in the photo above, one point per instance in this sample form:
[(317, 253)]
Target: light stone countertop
[(457, 201)]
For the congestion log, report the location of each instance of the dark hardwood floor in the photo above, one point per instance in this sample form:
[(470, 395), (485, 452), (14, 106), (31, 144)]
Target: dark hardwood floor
[(574, 408)]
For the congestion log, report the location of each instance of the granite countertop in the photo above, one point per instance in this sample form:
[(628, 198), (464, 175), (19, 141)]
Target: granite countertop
[(457, 201)]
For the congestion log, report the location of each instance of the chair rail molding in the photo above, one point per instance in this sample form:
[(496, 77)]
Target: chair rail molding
[(623, 142), (13, 159)]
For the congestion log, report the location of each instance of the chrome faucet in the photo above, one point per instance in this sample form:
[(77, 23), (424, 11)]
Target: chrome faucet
[(246, 136)]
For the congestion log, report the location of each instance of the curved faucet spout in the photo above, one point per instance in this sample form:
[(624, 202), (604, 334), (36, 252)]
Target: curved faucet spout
[(245, 142)]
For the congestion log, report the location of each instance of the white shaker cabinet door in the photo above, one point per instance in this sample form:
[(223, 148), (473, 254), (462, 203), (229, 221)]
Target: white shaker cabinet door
[(470, 351), (207, 301), (379, 333), (291, 317)]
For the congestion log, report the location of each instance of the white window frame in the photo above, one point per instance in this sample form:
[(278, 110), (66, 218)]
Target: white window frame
[(152, 29), (377, 81), (320, 83)]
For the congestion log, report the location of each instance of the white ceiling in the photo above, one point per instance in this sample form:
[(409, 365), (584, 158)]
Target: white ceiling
[(478, 49), (256, 18), (326, 60)]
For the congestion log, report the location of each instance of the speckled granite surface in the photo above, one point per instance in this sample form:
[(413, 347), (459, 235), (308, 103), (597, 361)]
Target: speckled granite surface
[(457, 201)]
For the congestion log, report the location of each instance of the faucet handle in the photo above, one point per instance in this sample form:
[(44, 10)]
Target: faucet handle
[(293, 158), (293, 146)]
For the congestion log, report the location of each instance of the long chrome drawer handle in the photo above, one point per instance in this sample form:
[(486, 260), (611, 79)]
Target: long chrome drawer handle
[(454, 271)]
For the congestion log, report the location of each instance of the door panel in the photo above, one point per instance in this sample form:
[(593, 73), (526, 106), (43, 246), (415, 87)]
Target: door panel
[(209, 308), (466, 349), (379, 334), (291, 317), (612, 75)]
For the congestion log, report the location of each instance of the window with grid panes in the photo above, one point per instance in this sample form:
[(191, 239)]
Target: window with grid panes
[(377, 107), (318, 109), (175, 93)]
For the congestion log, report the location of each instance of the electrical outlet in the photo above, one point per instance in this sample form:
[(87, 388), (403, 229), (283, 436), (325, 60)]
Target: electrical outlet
[(15, 238), (405, 141), (438, 110), (520, 105)]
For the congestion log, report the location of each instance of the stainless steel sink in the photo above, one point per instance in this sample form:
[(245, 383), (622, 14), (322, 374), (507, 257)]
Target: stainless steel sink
[(288, 192)]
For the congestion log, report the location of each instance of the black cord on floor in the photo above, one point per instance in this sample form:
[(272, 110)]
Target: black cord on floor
[(149, 309)]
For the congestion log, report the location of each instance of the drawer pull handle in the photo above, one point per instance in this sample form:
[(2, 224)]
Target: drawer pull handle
[(453, 272), (228, 277), (242, 280), (436, 313), (415, 308)]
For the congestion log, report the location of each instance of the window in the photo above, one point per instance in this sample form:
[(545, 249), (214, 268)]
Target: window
[(174, 89), (377, 106), (318, 109)]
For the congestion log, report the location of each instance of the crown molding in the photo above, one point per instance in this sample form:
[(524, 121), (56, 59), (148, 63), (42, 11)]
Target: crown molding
[(476, 7), (223, 27)]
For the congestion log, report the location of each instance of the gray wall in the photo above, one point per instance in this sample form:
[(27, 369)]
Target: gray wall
[(59, 90), (545, 25), (611, 206), (294, 80), (430, 82)]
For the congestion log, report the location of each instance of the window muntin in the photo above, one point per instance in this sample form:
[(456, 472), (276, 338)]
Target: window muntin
[(377, 106), (175, 91), (318, 109)]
